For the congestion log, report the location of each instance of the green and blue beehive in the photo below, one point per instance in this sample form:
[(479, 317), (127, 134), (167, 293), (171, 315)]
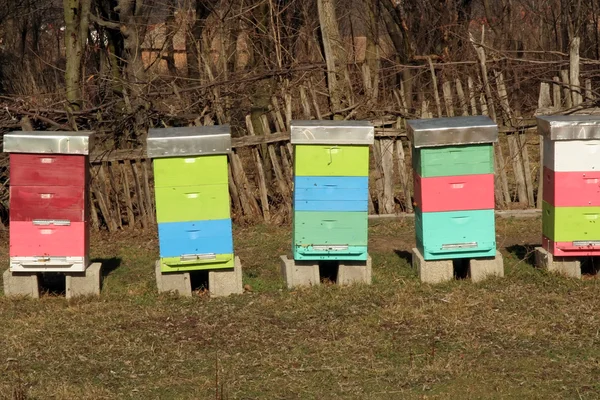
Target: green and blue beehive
[(192, 197), (331, 189), (453, 170)]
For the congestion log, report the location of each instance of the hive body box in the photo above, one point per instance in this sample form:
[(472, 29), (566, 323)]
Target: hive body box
[(192, 197), (453, 168), (331, 189), (571, 188), (49, 201)]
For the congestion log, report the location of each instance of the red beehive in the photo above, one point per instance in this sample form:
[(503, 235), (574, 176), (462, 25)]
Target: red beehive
[(49, 180)]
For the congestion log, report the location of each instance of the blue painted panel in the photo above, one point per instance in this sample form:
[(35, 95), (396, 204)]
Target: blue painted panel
[(316, 193), (304, 205), (308, 253), (455, 234), (324, 182), (196, 237)]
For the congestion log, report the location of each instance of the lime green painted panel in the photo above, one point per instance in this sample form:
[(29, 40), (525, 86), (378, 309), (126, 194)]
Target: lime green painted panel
[(454, 160), (568, 224), (174, 264), (332, 228), (192, 203), (331, 160), (190, 171)]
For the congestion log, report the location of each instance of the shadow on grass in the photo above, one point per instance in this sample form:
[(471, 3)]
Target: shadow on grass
[(405, 255), (524, 252), (108, 264)]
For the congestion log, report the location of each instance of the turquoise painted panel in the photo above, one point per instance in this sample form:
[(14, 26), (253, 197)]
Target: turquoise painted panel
[(311, 228), (455, 234), (308, 253)]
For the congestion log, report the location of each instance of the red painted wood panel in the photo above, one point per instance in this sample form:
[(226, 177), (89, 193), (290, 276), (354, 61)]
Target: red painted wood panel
[(454, 193), (29, 240), (571, 189), (47, 202), (48, 169), (567, 249)]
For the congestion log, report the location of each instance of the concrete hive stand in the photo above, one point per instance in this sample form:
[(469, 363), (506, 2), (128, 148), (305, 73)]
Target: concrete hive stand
[(77, 283), (566, 266), (306, 273), (221, 282), (439, 271)]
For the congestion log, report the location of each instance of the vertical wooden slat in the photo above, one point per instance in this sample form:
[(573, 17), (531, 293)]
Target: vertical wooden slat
[(461, 97), (101, 181), (102, 203), (556, 97), (434, 86), (564, 76), (247, 198), (127, 190), (378, 177), (472, 96), (448, 98), (114, 185), (387, 169), (262, 184), (146, 165), (541, 174), (233, 192), (404, 175), (304, 102), (139, 195)]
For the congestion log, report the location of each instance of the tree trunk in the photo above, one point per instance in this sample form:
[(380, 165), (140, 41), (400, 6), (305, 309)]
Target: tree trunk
[(76, 30), (193, 44), (335, 55)]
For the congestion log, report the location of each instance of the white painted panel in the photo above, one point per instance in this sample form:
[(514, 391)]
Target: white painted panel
[(572, 155), (51, 264)]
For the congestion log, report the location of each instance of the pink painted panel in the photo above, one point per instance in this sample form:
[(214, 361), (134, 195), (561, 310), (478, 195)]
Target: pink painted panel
[(567, 249), (29, 240), (454, 193), (571, 189)]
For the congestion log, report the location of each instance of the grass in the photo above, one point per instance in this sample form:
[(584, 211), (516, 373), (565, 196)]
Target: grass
[(530, 335)]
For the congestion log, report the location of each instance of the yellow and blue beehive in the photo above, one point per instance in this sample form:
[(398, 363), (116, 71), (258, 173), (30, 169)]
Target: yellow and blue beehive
[(331, 189)]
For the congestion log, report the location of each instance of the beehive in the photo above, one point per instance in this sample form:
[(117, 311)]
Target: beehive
[(49, 201), (192, 197), (571, 187), (453, 170), (331, 189)]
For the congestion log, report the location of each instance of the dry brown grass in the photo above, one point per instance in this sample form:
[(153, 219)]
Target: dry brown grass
[(529, 335)]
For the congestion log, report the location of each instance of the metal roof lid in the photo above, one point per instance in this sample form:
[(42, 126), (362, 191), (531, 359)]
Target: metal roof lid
[(332, 132), (189, 141), (433, 132), (569, 127), (49, 142)]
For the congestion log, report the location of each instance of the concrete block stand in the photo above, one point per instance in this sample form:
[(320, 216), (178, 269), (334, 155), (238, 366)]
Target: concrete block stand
[(21, 284), (306, 273), (224, 282), (221, 282), (176, 282), (76, 283), (84, 283), (566, 266), (439, 271)]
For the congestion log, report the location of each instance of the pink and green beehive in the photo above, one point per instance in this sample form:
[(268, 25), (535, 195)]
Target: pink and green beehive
[(453, 169)]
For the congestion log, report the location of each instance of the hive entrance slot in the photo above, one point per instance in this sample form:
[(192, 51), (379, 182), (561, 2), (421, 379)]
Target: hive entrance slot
[(328, 271), (199, 280), (590, 265), (461, 268)]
